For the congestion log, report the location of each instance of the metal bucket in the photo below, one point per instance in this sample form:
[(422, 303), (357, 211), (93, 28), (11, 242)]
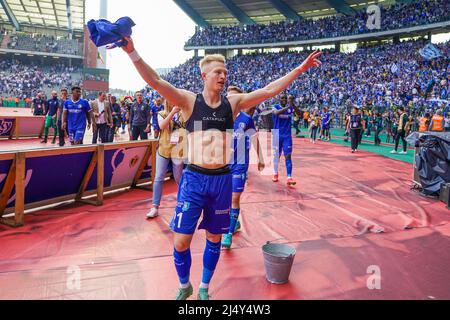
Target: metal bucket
[(278, 260)]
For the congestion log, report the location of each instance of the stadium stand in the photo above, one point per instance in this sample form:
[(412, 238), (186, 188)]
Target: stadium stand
[(397, 16), (24, 80), (43, 43)]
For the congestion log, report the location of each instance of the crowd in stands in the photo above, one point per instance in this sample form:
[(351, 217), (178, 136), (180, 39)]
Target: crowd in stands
[(22, 80), (41, 43), (397, 16), (98, 77), (377, 77)]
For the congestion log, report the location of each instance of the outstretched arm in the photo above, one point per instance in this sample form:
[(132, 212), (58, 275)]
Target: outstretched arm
[(179, 97), (245, 101), (278, 112)]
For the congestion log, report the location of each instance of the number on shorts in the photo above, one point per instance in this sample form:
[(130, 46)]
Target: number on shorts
[(180, 216)]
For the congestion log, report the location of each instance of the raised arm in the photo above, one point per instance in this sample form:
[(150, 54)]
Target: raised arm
[(245, 101), (182, 98), (165, 122)]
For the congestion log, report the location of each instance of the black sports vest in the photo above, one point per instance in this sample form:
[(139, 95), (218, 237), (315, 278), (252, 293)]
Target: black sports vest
[(355, 121), (220, 118)]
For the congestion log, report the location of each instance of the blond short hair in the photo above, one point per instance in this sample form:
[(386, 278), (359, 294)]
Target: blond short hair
[(211, 58)]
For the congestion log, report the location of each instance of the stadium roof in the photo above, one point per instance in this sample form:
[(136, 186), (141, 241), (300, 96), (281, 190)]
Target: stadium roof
[(229, 12), (61, 14)]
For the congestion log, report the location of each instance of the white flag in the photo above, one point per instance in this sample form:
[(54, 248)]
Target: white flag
[(394, 68)]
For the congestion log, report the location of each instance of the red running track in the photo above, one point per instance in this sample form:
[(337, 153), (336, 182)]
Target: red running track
[(332, 218)]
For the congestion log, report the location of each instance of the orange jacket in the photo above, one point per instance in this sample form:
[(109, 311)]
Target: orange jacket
[(423, 124), (305, 115), (438, 123)]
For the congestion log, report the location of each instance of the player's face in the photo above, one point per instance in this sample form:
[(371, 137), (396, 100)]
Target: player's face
[(283, 101), (139, 97), (215, 76), (76, 94), (54, 94), (64, 94)]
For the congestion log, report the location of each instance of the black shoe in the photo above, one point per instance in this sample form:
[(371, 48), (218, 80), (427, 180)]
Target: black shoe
[(44, 141)]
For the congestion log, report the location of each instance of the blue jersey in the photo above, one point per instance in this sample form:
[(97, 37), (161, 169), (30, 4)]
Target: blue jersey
[(283, 122), (76, 117), (244, 128), (326, 119)]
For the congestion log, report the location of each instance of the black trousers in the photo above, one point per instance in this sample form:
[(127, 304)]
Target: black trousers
[(355, 136), (139, 132), (296, 127), (61, 134), (400, 135), (100, 131), (111, 133), (377, 137)]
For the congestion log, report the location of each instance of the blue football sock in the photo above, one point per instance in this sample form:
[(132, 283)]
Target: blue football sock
[(210, 258), (183, 261), (234, 219), (289, 168)]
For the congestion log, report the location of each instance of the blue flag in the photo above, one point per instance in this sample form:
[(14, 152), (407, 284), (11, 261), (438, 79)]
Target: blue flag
[(430, 52), (105, 33)]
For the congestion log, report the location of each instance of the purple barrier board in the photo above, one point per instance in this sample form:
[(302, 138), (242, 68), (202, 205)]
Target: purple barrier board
[(121, 166), (5, 165), (50, 177), (147, 173), (6, 126), (54, 176)]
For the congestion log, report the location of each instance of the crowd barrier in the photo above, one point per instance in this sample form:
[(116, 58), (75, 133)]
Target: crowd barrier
[(37, 178), (16, 127)]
